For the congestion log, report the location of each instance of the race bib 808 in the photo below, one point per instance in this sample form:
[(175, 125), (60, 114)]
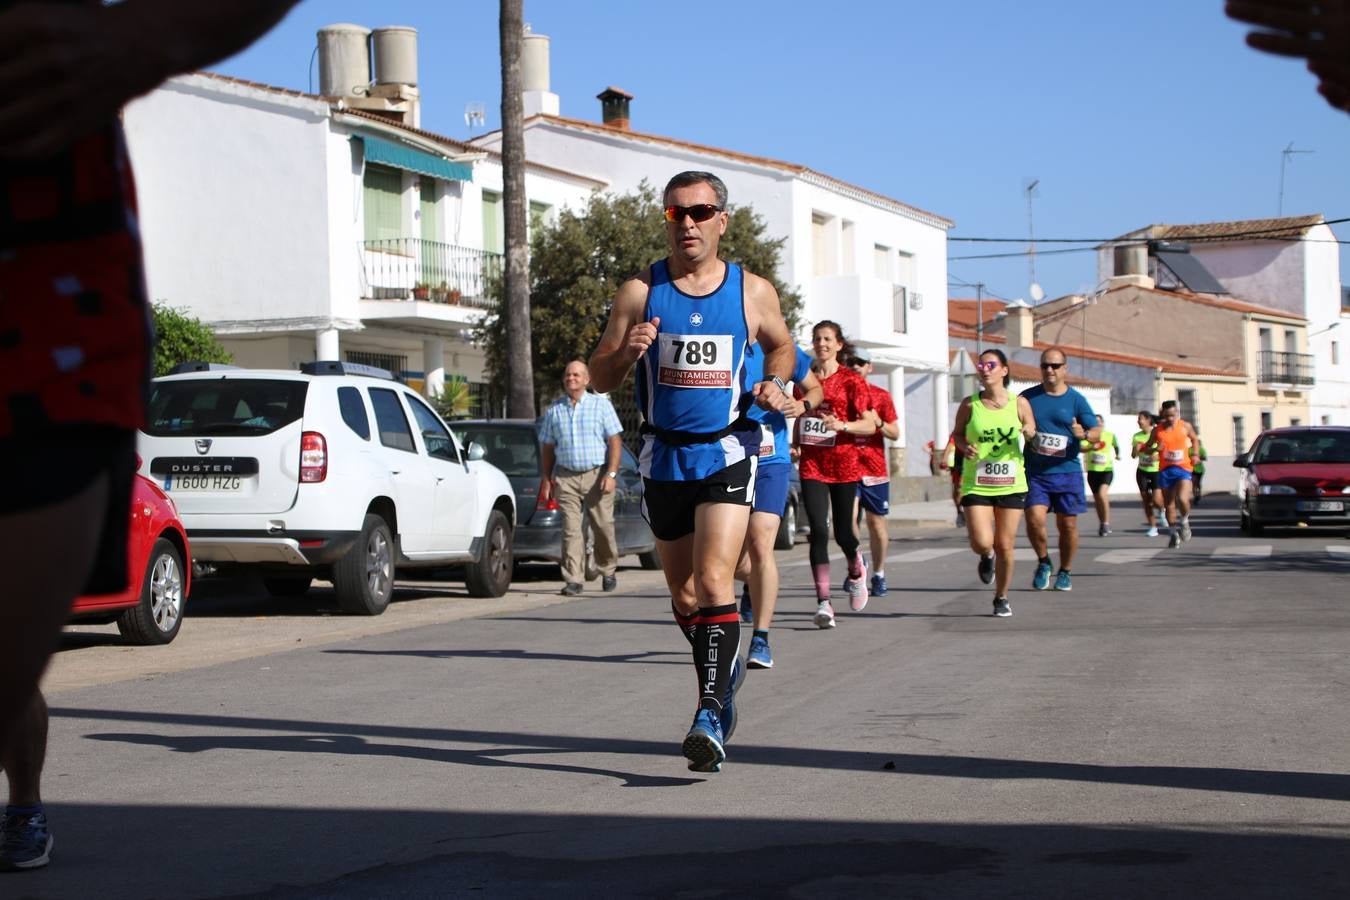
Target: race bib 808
[(996, 472), (695, 360)]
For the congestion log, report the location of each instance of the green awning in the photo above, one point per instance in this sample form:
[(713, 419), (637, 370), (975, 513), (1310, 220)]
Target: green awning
[(401, 157)]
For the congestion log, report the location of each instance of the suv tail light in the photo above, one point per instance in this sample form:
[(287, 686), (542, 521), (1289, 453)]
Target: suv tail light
[(313, 457)]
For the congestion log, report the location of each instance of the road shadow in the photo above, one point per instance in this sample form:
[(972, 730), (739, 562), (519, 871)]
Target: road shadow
[(1311, 785), (645, 656), (283, 853)]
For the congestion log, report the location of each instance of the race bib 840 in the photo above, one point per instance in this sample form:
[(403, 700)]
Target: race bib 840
[(815, 433)]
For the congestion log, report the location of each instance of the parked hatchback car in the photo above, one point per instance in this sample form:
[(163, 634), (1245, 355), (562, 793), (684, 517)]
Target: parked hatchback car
[(335, 471), (513, 446), (1297, 475), (150, 610)]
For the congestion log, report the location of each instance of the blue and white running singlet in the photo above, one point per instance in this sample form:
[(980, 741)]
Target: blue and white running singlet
[(692, 380)]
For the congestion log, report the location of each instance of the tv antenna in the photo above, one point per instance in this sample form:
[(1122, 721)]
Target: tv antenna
[(1029, 187), (474, 116), (1284, 162)]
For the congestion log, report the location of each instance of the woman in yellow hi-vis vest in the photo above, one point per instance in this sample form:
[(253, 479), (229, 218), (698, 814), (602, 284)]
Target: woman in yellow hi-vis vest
[(1097, 460), (993, 478)]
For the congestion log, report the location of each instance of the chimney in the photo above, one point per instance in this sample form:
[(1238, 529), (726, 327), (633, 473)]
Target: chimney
[(1130, 266), (614, 107), (346, 54), (1020, 326), (536, 98)]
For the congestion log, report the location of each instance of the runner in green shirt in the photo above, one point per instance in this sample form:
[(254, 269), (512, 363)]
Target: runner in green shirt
[(1100, 466), (1146, 475), (1198, 473), (990, 426)]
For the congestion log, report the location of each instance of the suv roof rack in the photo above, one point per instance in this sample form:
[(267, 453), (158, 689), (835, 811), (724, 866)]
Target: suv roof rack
[(337, 367), (199, 365)]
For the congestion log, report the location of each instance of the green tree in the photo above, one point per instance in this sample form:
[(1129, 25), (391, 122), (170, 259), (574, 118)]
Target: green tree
[(180, 338), (577, 264)]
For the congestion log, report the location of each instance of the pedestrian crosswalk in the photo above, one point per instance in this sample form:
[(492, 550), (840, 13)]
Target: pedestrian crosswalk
[(1123, 556)]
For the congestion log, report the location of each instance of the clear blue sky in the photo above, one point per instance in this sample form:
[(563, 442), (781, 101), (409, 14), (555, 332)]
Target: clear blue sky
[(1128, 113)]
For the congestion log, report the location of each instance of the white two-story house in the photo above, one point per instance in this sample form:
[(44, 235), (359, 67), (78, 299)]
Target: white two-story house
[(1290, 264), (875, 265), (325, 226)]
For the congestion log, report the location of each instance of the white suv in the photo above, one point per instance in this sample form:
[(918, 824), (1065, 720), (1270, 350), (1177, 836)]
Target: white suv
[(334, 470)]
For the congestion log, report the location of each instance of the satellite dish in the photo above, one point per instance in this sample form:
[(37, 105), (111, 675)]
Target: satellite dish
[(1037, 292)]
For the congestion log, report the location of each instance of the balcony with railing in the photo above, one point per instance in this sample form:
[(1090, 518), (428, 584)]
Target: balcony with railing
[(1275, 369), (416, 269)]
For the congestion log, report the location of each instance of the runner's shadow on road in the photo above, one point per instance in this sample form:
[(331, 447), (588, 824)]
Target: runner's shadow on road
[(646, 656), (355, 739), (353, 745)]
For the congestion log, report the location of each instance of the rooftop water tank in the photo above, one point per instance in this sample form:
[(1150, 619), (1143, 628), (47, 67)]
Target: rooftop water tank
[(395, 49), (344, 60)]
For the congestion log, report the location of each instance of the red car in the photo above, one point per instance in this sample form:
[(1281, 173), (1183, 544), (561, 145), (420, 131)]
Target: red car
[(150, 610), (1296, 476)]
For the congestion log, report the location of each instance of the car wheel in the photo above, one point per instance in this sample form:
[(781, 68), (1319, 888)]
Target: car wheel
[(787, 529), (364, 578), (650, 560), (287, 585), (490, 575), (159, 615)]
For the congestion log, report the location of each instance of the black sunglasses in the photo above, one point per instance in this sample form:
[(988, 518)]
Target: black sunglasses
[(699, 212), (1052, 365)]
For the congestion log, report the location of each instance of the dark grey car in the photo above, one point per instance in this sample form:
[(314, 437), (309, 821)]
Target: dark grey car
[(512, 445)]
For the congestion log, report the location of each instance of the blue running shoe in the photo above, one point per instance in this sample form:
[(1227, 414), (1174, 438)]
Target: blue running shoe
[(1041, 581), (1063, 581), (878, 586), (729, 704), (25, 842), (759, 656), (703, 744), (747, 611)]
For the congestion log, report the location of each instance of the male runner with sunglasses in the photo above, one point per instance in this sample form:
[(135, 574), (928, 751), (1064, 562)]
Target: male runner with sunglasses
[(685, 323), (1064, 419)]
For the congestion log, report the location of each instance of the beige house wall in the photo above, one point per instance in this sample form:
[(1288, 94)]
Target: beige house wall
[(1147, 323)]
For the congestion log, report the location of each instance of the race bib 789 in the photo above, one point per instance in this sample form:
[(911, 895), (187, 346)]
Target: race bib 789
[(694, 360)]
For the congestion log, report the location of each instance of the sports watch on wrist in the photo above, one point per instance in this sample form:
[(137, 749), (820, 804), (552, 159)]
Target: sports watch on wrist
[(782, 385)]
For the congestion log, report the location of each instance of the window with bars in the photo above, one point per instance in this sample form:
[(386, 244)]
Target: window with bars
[(1186, 407), (391, 362), (1239, 435)]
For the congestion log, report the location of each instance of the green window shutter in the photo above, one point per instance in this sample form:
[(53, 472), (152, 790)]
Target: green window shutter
[(493, 239), (430, 225), (383, 200)]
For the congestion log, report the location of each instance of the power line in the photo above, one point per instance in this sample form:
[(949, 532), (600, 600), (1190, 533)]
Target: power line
[(1024, 253), (1176, 237)]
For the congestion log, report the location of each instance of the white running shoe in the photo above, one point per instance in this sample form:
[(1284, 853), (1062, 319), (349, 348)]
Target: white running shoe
[(1153, 531), (824, 617), (1185, 530)]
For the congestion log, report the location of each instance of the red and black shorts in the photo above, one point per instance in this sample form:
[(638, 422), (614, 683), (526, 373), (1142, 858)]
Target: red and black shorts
[(74, 321)]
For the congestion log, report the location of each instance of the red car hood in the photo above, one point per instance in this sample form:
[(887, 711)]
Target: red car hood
[(1330, 477)]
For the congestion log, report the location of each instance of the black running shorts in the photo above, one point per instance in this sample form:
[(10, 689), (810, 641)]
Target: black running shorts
[(668, 506)]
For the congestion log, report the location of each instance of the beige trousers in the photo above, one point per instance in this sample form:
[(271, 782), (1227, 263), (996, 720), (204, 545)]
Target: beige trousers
[(578, 494)]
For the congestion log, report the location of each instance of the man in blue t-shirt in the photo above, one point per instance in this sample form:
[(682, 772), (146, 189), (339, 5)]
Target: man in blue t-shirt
[(1054, 471), (757, 567)]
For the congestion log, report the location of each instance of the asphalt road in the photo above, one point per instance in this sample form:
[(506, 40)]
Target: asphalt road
[(1176, 726)]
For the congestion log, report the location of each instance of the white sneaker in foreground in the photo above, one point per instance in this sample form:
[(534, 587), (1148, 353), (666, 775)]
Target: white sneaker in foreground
[(857, 588), (824, 617)]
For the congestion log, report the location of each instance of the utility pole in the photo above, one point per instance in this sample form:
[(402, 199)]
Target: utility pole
[(516, 296), (1029, 188), (1284, 162), (979, 318)]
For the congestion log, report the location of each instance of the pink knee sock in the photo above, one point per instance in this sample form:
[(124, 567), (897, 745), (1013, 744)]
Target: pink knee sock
[(822, 574)]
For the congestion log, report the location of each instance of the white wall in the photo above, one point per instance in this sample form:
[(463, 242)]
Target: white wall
[(223, 170)]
